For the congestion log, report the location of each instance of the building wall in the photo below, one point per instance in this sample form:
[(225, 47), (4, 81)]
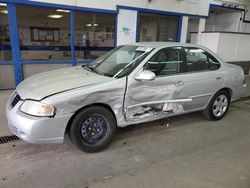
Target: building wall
[(247, 15), (245, 27), (126, 29), (230, 22), (198, 7), (224, 22), (234, 48), (231, 47)]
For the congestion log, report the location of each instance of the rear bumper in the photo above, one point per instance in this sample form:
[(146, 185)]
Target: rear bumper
[(239, 92), (37, 130)]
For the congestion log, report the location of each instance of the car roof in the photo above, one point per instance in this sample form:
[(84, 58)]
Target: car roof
[(164, 44), (158, 45)]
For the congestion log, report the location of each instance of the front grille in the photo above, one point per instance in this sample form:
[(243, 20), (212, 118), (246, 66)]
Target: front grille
[(15, 100)]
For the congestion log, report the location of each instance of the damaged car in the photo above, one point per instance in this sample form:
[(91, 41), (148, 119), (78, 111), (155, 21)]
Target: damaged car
[(129, 85)]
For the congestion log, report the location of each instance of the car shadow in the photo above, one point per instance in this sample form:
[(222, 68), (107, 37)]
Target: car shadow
[(158, 125), (123, 135)]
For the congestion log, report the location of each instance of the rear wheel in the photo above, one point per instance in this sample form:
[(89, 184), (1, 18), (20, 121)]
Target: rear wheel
[(218, 106), (93, 129)]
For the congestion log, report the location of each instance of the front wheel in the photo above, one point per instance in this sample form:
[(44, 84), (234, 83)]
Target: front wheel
[(93, 129), (218, 106)]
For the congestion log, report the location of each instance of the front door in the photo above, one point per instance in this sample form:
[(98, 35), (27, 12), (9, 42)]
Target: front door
[(162, 96)]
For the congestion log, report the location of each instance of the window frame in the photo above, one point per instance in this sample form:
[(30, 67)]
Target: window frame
[(182, 56), (208, 55), (86, 48), (158, 18)]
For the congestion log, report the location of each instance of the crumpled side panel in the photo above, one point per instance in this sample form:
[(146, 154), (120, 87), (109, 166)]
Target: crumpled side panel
[(150, 100), (153, 111), (111, 94)]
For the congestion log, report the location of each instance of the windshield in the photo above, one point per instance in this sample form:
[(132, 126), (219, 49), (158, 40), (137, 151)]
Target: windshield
[(120, 61)]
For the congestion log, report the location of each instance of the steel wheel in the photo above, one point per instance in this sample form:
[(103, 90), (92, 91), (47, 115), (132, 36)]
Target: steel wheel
[(93, 129)]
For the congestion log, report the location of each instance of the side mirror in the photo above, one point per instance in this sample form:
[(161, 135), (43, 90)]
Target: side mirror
[(146, 75)]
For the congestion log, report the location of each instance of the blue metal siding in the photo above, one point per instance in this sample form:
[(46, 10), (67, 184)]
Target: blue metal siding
[(116, 30), (72, 37), (137, 32), (14, 40), (178, 35), (162, 12)]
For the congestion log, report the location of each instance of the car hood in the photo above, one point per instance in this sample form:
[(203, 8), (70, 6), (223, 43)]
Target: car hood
[(48, 83)]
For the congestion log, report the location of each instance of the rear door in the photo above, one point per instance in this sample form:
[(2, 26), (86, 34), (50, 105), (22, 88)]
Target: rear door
[(204, 76)]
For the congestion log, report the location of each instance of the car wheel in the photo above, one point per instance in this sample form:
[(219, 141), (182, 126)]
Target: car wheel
[(218, 106), (93, 129)]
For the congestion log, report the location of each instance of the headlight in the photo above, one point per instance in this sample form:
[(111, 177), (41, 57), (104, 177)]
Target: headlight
[(36, 108)]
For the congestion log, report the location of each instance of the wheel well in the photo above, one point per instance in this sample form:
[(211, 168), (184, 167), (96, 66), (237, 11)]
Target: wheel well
[(229, 91), (95, 104)]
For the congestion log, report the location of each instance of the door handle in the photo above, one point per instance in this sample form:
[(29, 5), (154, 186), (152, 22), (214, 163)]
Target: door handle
[(179, 83), (218, 77)]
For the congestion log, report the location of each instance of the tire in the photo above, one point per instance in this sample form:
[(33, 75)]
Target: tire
[(218, 106), (93, 129)]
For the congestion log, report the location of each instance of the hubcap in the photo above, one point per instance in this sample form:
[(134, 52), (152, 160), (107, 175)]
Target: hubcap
[(220, 105), (93, 129)]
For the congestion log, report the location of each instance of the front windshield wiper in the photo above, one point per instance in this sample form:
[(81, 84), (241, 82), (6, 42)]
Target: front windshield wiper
[(87, 67), (91, 69)]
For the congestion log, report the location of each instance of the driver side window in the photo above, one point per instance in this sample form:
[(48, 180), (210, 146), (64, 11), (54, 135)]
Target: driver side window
[(165, 62)]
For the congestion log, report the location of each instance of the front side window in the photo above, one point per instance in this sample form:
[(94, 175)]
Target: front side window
[(199, 60), (120, 61), (167, 61)]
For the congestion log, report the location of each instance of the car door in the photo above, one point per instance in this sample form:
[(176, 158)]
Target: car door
[(164, 95), (204, 76)]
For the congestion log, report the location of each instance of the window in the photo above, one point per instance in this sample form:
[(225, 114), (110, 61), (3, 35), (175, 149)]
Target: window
[(165, 62), (44, 33), (94, 35), (200, 60), (7, 79), (5, 47), (213, 63), (120, 61), (155, 27)]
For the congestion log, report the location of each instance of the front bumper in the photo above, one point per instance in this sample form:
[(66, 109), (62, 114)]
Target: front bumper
[(37, 130)]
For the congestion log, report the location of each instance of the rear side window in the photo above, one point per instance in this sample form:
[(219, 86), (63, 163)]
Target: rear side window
[(200, 60)]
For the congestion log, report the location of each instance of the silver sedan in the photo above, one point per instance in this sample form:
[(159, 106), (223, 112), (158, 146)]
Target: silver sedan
[(131, 84)]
